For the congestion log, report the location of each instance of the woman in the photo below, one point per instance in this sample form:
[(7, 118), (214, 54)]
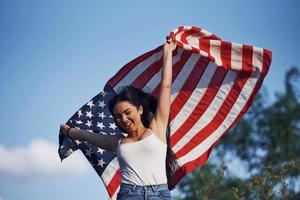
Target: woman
[(142, 154)]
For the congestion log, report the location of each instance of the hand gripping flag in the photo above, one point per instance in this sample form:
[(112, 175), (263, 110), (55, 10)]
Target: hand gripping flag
[(214, 83)]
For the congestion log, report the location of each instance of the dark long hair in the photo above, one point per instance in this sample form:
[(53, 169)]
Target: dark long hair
[(139, 98)]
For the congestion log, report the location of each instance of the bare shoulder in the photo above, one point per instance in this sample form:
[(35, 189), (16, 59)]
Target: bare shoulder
[(112, 142)]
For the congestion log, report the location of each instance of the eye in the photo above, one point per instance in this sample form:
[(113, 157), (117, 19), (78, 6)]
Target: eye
[(127, 112)]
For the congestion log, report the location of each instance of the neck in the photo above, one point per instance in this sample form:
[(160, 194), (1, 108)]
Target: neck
[(139, 132)]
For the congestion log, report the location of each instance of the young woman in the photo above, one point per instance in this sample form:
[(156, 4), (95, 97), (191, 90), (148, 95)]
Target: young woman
[(142, 154)]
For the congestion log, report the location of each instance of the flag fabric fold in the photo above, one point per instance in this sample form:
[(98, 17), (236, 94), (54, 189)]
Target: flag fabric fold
[(214, 83)]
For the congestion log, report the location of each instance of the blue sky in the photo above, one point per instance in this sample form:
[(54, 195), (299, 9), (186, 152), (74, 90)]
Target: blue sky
[(56, 55)]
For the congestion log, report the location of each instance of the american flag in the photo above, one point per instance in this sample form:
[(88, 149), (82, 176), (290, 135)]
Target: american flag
[(214, 84)]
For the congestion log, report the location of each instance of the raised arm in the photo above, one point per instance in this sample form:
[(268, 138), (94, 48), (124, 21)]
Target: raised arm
[(106, 142), (164, 98)]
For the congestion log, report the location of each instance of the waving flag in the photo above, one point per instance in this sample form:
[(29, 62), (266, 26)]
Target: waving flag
[(214, 83)]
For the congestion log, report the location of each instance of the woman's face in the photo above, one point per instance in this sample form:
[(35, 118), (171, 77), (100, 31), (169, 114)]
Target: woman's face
[(128, 116)]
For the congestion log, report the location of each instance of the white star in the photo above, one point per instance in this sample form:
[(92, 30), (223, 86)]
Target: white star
[(89, 114), (101, 115), (77, 142), (100, 125), (79, 122), (100, 150), (90, 104), (101, 162), (69, 152), (104, 94), (89, 152), (103, 133), (101, 104), (89, 123), (110, 116), (113, 133), (79, 113), (112, 126), (90, 130)]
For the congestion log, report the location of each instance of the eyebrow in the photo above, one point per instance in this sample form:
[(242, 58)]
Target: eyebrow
[(123, 111)]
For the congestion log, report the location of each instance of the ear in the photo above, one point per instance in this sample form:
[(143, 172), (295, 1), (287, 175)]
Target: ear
[(141, 110)]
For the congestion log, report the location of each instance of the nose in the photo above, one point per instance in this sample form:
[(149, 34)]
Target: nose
[(123, 118)]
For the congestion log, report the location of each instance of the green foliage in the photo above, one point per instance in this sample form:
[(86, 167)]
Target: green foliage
[(266, 139)]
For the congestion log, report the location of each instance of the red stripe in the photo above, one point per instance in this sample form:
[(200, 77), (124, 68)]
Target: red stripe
[(226, 54), (267, 56), (177, 67), (218, 118), (129, 66), (188, 87), (147, 74), (201, 107), (187, 33), (114, 183), (204, 45), (247, 58)]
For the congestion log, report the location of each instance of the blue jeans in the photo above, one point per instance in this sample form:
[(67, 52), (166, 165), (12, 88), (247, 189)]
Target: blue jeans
[(149, 192)]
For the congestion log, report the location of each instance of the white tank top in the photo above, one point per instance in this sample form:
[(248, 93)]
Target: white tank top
[(143, 162)]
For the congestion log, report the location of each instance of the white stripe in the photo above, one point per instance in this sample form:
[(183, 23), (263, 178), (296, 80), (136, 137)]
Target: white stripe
[(215, 51), (186, 28), (156, 79), (258, 54), (187, 47), (230, 118), (178, 36), (203, 53), (193, 40), (138, 69), (110, 171), (236, 56), (210, 112), (205, 33), (183, 74), (195, 98)]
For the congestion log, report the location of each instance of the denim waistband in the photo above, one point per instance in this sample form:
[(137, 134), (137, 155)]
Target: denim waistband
[(144, 187)]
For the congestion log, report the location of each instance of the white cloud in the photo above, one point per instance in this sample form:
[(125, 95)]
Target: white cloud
[(39, 158)]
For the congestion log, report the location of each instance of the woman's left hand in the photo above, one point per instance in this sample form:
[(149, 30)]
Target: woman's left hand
[(170, 45)]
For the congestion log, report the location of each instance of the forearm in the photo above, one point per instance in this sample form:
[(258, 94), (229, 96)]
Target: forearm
[(166, 75), (103, 141)]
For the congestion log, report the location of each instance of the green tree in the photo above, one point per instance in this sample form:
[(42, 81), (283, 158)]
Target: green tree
[(267, 141)]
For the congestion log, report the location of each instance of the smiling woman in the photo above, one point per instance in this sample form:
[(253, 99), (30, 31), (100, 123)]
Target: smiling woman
[(145, 161)]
